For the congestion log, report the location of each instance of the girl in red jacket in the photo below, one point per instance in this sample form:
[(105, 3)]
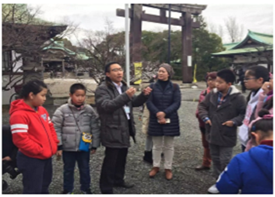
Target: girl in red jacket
[(34, 135)]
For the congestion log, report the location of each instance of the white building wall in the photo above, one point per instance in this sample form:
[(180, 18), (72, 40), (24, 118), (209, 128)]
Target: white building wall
[(5, 79)]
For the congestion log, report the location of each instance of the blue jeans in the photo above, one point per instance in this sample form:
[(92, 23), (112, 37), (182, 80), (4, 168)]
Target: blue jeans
[(69, 159)]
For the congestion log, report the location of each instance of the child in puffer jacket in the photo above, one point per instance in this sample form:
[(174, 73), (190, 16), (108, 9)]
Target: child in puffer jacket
[(73, 122)]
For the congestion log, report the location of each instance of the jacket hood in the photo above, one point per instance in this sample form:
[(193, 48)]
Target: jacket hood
[(71, 104), (260, 154), (255, 97), (234, 90), (19, 105)]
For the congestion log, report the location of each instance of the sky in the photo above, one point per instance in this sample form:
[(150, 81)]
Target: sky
[(92, 17)]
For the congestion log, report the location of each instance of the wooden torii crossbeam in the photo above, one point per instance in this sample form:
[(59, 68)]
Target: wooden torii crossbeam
[(188, 11)]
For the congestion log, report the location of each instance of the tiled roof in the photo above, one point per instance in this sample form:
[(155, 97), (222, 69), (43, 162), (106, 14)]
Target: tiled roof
[(265, 42)]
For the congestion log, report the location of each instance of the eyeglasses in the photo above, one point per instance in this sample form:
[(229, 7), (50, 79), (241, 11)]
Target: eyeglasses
[(249, 78), (117, 69)]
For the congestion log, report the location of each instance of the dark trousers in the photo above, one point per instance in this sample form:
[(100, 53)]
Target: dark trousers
[(113, 169), (221, 156), (206, 150), (37, 174), (69, 159)]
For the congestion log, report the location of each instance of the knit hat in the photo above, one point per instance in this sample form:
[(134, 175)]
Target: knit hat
[(168, 68), (212, 75)]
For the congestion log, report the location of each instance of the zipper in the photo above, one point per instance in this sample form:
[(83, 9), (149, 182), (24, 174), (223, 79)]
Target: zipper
[(47, 134), (121, 134)]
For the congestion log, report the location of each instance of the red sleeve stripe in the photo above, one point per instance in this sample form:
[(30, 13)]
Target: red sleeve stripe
[(19, 126), (19, 131)]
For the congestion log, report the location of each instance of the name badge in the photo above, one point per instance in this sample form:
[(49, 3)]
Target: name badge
[(127, 109)]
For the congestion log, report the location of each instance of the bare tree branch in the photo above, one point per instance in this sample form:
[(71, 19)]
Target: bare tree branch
[(23, 33), (235, 31)]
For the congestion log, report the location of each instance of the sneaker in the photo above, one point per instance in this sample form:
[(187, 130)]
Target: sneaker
[(66, 192), (88, 191), (213, 190)]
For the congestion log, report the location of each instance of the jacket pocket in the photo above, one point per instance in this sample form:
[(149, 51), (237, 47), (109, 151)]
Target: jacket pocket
[(69, 120), (68, 141), (229, 131), (41, 150), (86, 119), (113, 133)]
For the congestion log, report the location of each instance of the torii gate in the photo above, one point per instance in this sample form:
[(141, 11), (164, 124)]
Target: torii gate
[(188, 11)]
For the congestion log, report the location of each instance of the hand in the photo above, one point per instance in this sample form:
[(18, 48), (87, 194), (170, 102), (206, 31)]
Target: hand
[(228, 123), (93, 151), (7, 158), (162, 121), (160, 115), (58, 153), (131, 92), (147, 91), (208, 122), (267, 86)]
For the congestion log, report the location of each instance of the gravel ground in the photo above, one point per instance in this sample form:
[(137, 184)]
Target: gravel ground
[(188, 154)]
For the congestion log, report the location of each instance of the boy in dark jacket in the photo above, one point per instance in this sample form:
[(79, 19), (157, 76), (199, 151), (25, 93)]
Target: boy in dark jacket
[(222, 110)]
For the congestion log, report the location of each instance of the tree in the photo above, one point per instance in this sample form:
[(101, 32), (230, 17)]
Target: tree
[(211, 27), (235, 31), (23, 33), (109, 45), (220, 31), (264, 55), (204, 44), (103, 47)]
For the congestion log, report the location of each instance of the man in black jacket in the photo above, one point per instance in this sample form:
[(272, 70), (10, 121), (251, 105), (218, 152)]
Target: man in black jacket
[(114, 102)]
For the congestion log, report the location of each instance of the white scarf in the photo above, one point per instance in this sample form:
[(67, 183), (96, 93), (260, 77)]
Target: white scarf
[(243, 129)]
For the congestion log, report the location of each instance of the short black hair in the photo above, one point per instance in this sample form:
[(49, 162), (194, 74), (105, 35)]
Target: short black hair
[(227, 75), (258, 72), (35, 86), (107, 66), (77, 86), (264, 125)]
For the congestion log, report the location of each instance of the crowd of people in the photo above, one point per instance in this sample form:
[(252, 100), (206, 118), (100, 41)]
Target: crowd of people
[(76, 130)]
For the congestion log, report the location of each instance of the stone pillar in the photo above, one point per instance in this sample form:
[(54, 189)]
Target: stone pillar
[(136, 32), (186, 48)]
